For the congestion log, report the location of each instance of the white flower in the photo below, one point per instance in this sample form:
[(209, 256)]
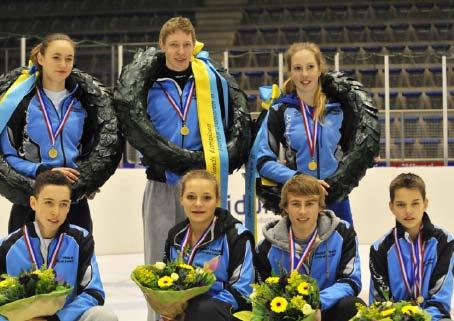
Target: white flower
[(253, 295), (160, 265), (307, 309), (174, 276)]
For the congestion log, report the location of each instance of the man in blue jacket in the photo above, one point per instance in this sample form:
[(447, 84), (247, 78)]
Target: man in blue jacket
[(414, 260), (68, 249), (315, 242)]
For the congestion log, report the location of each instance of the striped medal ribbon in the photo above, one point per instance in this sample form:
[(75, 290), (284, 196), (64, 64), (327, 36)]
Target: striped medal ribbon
[(32, 254), (53, 152), (184, 130), (306, 250), (417, 262), (310, 137), (197, 245)]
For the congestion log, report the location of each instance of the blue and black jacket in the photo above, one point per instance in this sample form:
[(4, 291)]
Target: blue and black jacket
[(284, 125), (167, 122), (25, 141), (234, 245), (333, 261), (76, 265), (437, 284)]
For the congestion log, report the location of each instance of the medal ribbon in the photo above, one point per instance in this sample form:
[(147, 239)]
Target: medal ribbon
[(197, 245), (311, 139), (187, 105), (417, 260), (53, 136), (32, 254), (306, 250)]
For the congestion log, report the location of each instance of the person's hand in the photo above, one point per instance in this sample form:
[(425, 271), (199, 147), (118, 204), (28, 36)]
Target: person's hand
[(92, 195), (318, 315), (325, 185), (71, 174)]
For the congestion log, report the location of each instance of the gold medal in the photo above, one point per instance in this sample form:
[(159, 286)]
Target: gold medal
[(184, 130), (312, 165), (53, 152), (420, 299)]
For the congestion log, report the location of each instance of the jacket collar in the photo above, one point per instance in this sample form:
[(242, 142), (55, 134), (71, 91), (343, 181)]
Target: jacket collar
[(276, 232), (224, 221), (427, 228)]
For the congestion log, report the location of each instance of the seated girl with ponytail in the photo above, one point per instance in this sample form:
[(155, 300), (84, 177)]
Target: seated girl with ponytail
[(212, 234)]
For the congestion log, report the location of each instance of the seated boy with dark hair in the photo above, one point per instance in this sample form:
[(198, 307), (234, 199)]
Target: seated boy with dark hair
[(414, 260), (68, 249), (313, 241)]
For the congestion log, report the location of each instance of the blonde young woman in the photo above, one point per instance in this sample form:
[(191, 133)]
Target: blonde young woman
[(208, 233), (313, 126)]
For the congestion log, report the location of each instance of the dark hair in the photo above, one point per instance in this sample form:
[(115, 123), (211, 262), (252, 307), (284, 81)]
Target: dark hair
[(302, 185), (407, 180), (43, 45), (50, 178), (200, 174)]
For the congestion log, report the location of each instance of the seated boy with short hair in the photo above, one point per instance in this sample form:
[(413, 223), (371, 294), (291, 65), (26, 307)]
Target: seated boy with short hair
[(313, 241), (414, 260), (73, 248)]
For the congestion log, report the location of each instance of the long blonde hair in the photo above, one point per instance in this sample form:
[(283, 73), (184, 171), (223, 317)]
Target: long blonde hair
[(289, 86)]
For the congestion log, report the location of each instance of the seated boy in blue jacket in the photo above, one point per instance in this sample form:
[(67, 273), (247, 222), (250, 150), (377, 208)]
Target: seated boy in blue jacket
[(68, 249), (414, 260), (313, 241)]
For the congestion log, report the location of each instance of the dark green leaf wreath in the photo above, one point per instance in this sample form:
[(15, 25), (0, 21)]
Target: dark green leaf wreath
[(97, 166), (130, 100), (361, 124)]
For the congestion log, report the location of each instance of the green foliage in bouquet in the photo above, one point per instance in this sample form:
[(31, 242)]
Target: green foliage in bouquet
[(31, 294), (174, 276), (168, 287), (27, 284), (294, 297), (391, 311)]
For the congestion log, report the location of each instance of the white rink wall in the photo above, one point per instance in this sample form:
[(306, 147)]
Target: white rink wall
[(117, 214)]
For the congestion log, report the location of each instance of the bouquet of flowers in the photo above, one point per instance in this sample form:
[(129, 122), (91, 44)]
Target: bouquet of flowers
[(31, 294), (168, 287), (290, 298), (391, 311)]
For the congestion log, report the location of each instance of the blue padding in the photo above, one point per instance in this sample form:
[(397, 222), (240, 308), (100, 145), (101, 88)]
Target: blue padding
[(429, 140)]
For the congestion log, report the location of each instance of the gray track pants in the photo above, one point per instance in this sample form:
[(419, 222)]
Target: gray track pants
[(161, 210)]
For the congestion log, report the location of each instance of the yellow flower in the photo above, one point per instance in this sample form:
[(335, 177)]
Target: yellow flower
[(303, 288), (278, 304), (272, 280), (37, 272), (307, 309), (410, 309), (160, 265), (388, 312), (186, 266), (165, 282), (6, 283), (174, 276)]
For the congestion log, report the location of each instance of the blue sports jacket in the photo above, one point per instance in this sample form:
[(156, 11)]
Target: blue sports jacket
[(168, 123), (234, 245), (25, 141), (284, 124), (333, 261), (437, 284), (76, 265)]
